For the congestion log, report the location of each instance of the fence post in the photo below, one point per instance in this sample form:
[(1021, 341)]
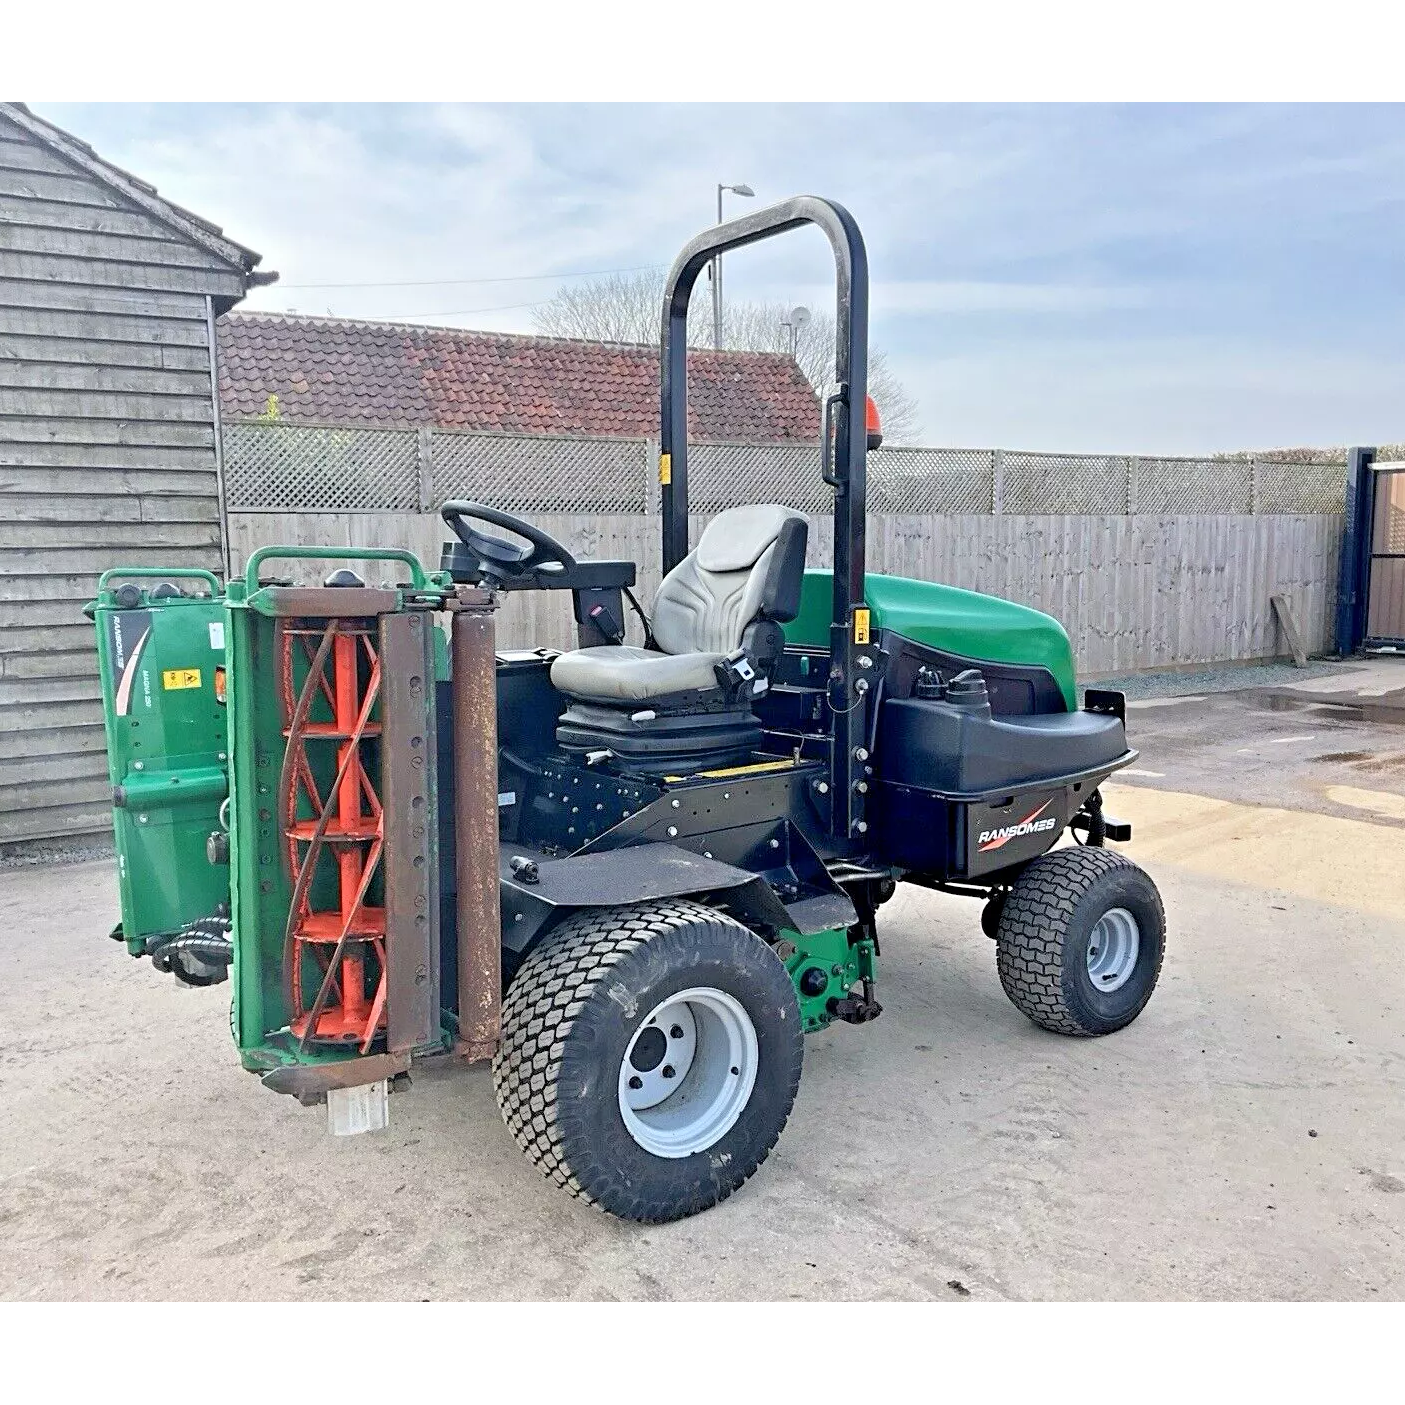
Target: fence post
[(1254, 487), (1354, 554), (651, 476), (425, 456), (1134, 471), (997, 482)]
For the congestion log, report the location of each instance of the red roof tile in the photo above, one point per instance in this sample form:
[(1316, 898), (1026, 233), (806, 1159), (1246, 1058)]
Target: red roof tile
[(340, 371)]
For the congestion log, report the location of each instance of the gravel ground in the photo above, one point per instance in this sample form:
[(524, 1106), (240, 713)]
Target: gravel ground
[(1233, 678), (37, 853)]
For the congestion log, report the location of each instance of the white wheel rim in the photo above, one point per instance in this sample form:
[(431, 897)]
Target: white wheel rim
[(1113, 945), (688, 1072)]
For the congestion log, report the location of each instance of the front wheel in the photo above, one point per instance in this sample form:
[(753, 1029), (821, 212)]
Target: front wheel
[(650, 1057), (1080, 941)]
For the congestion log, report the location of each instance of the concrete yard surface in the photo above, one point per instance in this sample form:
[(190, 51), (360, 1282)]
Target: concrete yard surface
[(1244, 1139)]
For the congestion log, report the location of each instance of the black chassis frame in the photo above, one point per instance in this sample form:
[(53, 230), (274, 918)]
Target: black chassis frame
[(752, 840)]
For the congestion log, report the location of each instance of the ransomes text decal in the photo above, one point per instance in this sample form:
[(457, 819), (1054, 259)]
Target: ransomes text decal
[(989, 839)]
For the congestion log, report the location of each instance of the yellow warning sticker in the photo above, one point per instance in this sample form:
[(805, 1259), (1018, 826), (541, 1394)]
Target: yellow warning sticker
[(180, 678), (756, 768), (665, 468), (861, 618)]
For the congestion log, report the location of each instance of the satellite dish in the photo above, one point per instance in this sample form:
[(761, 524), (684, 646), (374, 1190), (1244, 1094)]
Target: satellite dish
[(799, 316)]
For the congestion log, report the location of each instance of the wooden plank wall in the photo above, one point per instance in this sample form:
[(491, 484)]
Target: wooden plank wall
[(1134, 592), (106, 456)]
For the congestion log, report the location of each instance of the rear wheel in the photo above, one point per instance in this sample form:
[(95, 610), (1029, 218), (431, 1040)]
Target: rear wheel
[(1080, 941), (650, 1057)]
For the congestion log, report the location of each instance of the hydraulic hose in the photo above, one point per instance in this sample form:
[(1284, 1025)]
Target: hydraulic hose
[(207, 942)]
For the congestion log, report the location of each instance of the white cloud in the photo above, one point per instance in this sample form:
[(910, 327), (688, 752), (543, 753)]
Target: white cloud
[(1152, 278)]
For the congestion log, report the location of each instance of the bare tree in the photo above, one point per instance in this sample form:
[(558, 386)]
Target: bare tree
[(628, 307), (760, 326), (623, 307)]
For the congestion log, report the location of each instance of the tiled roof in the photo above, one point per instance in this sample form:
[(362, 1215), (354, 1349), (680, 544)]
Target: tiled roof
[(339, 371)]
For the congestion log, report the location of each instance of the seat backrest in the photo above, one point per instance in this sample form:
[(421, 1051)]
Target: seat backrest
[(748, 566)]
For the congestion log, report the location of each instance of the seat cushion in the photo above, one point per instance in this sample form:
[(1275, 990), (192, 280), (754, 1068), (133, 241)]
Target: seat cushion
[(623, 673)]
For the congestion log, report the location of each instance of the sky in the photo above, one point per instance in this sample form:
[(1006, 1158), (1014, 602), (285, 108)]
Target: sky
[(1082, 278)]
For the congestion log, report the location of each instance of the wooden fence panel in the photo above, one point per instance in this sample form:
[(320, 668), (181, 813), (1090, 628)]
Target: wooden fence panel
[(1134, 592)]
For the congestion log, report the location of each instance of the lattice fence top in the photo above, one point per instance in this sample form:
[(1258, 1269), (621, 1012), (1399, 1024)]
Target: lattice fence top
[(724, 475), (541, 474), (1300, 487), (1186, 487), (1063, 483), (294, 468), (275, 467), (931, 480)]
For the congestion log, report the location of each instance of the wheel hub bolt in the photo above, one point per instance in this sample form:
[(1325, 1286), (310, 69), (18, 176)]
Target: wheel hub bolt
[(667, 1070)]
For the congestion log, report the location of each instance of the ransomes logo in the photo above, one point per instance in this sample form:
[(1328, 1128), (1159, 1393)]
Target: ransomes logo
[(989, 839)]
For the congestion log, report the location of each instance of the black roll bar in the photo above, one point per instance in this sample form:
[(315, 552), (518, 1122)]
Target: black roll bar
[(844, 408)]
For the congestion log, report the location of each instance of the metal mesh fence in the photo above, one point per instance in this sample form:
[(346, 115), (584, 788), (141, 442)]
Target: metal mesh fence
[(286, 468), (1186, 487), (520, 474), (291, 468)]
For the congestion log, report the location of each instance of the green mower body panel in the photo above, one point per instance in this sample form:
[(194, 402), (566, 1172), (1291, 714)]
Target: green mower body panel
[(159, 654), (978, 627)]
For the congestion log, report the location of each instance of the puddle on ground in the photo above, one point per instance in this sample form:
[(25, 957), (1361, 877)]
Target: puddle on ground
[(1371, 761), (1342, 711)]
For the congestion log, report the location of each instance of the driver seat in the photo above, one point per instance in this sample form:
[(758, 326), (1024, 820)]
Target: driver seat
[(716, 632), (731, 594)]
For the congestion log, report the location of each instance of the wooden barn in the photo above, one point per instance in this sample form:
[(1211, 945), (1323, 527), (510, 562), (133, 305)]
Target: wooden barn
[(109, 441)]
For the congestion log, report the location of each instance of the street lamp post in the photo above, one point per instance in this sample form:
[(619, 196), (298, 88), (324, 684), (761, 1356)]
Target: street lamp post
[(747, 192)]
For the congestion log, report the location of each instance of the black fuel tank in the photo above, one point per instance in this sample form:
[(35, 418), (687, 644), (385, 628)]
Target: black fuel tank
[(954, 745)]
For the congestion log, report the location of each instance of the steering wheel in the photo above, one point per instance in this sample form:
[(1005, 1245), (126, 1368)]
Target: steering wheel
[(498, 562)]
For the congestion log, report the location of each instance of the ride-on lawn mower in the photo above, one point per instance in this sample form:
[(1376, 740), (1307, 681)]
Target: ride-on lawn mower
[(634, 877)]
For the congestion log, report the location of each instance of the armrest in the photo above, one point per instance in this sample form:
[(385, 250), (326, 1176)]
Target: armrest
[(584, 575), (594, 575)]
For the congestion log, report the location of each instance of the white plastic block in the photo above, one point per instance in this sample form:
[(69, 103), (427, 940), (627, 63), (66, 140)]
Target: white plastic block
[(363, 1109)]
